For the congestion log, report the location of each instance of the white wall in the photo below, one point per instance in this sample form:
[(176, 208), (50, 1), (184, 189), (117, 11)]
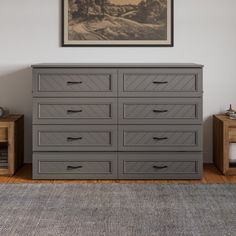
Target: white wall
[(205, 32)]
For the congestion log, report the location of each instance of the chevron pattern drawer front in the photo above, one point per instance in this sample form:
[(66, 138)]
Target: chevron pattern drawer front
[(72, 110), (64, 167), (74, 165), (74, 82), (75, 138), (159, 110), (160, 82), (168, 165), (152, 167), (160, 138), (154, 111), (117, 121)]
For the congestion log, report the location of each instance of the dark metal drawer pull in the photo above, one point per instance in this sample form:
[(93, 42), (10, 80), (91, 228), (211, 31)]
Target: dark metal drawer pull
[(74, 111), (160, 111), (160, 167), (74, 82), (74, 167), (160, 82), (159, 139), (70, 139)]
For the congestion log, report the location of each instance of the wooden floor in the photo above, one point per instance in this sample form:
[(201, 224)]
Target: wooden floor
[(211, 175)]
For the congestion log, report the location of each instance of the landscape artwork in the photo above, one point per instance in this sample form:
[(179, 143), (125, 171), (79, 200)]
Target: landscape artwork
[(118, 22)]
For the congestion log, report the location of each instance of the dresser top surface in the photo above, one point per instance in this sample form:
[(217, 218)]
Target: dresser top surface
[(118, 65)]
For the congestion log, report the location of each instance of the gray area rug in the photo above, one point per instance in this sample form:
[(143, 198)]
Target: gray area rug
[(117, 209)]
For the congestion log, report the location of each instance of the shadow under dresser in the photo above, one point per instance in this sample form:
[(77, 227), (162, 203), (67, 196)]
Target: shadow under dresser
[(117, 121)]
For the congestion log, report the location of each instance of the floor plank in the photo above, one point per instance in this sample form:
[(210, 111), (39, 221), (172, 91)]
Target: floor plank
[(211, 175)]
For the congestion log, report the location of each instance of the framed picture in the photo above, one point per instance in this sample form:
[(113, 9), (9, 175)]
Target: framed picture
[(117, 23)]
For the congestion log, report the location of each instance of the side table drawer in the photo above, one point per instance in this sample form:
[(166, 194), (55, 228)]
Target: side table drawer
[(3, 134), (160, 165), (74, 165), (232, 134)]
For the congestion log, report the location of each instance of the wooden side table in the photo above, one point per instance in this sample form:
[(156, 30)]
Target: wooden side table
[(11, 144), (224, 133)]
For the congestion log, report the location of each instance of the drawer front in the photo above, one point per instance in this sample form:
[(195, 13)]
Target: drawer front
[(74, 138), (74, 165), (160, 165), (160, 110), (3, 134), (160, 138), (74, 82), (232, 134), (160, 82), (75, 110)]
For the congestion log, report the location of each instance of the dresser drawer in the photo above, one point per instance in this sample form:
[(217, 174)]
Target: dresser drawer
[(160, 110), (74, 82), (173, 165), (160, 138), (74, 138), (74, 165), (160, 82), (74, 110)]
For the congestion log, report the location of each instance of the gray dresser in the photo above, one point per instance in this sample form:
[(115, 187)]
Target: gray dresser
[(117, 121)]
